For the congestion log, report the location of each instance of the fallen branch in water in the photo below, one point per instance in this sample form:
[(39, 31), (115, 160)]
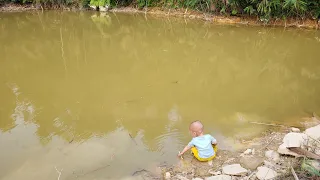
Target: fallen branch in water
[(59, 172), (267, 124), (99, 168)]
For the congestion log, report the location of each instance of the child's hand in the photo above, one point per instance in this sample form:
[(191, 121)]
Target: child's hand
[(180, 155)]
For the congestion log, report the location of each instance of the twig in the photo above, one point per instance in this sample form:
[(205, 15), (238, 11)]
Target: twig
[(132, 139), (267, 124), (59, 172), (99, 168), (294, 174), (268, 143), (250, 175)]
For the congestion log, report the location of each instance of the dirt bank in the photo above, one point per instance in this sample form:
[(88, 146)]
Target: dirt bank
[(220, 19), (186, 13)]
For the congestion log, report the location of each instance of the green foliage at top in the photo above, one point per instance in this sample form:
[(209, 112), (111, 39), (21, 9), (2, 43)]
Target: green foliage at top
[(99, 2), (264, 9)]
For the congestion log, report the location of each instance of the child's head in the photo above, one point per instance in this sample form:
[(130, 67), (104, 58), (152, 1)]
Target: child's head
[(196, 128)]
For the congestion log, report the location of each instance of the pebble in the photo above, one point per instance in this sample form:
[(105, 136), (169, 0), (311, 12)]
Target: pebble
[(234, 169), (246, 152), (219, 177), (168, 175), (265, 173), (197, 179), (293, 129)]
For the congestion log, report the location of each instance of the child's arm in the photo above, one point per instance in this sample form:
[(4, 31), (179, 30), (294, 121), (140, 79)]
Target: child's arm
[(184, 150), (213, 140)]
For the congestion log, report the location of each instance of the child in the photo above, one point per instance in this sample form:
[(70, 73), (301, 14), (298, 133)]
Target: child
[(203, 147)]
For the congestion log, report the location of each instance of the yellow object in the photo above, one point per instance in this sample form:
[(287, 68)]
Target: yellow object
[(195, 152)]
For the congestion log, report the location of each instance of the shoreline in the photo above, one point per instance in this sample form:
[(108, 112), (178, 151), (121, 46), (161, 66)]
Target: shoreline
[(259, 155), (187, 14)]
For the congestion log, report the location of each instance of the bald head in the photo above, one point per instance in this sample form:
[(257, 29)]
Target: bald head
[(196, 127)]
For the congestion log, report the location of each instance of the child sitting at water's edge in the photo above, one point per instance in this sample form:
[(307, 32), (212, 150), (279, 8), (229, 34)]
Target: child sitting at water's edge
[(203, 146)]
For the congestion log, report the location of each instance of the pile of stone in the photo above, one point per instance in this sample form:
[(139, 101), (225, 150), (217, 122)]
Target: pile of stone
[(295, 143)]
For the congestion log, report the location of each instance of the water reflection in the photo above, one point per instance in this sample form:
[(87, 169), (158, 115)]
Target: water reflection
[(121, 83)]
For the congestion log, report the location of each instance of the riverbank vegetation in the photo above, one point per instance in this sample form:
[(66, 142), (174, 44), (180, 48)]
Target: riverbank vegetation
[(264, 9)]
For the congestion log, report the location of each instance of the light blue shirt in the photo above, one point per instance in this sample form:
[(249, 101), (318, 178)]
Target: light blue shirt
[(203, 145)]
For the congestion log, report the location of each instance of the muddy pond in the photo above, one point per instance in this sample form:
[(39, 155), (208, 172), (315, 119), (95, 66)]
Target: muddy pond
[(101, 96)]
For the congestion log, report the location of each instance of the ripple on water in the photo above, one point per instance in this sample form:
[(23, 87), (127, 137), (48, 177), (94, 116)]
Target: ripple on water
[(169, 141)]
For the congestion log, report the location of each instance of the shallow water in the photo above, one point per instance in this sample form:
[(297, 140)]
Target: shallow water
[(103, 96)]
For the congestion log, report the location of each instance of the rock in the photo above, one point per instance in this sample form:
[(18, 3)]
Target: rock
[(251, 162), (296, 130), (265, 173), (247, 152), (219, 177), (104, 8), (168, 175), (295, 139), (234, 169), (285, 151), (197, 179), (93, 7), (253, 151), (313, 132), (274, 156)]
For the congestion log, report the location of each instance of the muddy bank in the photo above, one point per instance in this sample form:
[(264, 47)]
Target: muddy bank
[(215, 18), (185, 13)]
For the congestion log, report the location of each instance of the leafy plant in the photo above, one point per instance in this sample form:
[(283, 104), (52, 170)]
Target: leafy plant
[(250, 10), (99, 2), (295, 6)]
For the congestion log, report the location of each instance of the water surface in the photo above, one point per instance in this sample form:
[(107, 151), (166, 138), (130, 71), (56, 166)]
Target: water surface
[(102, 96)]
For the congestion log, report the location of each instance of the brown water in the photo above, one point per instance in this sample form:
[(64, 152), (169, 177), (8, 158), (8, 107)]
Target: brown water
[(104, 96)]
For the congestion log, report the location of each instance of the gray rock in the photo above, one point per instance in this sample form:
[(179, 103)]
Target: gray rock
[(265, 173), (234, 169), (251, 162), (219, 177)]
